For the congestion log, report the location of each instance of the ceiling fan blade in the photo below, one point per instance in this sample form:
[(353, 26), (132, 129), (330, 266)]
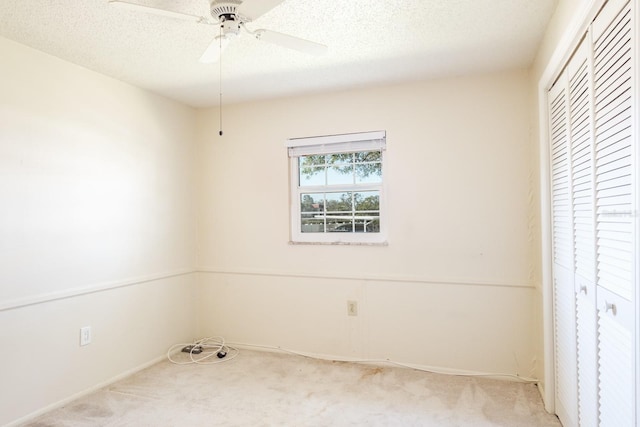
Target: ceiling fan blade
[(157, 11), (291, 42), (254, 9), (215, 49)]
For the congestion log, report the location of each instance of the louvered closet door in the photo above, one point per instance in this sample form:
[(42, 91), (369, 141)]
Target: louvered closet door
[(615, 205), (564, 295), (582, 197)]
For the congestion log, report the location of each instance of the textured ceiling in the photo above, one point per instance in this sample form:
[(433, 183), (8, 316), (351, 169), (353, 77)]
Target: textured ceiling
[(370, 42)]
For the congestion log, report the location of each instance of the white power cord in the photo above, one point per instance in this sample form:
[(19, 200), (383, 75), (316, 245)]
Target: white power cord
[(205, 351), (391, 362), (200, 351)]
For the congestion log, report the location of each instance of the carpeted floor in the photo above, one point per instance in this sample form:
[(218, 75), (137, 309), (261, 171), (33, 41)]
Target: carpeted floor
[(273, 389)]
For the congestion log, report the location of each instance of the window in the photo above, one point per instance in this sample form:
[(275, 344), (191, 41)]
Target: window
[(337, 188)]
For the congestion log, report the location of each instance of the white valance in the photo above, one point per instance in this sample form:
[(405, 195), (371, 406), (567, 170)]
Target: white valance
[(344, 143)]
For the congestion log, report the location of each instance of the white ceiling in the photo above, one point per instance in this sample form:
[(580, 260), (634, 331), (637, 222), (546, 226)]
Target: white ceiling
[(370, 42)]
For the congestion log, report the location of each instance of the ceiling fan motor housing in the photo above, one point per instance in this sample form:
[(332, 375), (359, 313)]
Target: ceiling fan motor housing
[(226, 10)]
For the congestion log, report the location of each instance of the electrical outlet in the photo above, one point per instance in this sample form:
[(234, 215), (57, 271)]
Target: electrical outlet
[(352, 308), (85, 335)]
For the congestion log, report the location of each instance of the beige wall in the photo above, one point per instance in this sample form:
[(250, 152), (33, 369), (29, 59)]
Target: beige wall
[(96, 228), (453, 288)]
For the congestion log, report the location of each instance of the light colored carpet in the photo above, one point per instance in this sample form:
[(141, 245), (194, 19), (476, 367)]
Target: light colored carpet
[(273, 389)]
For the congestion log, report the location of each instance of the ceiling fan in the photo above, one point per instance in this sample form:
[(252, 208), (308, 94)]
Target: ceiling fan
[(231, 16)]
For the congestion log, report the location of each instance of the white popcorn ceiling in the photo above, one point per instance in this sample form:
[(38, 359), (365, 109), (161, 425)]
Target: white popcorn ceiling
[(370, 42)]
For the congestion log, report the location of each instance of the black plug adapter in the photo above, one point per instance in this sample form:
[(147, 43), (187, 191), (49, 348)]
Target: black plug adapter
[(193, 349)]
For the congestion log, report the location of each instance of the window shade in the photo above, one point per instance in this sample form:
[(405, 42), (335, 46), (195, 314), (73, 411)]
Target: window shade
[(330, 144)]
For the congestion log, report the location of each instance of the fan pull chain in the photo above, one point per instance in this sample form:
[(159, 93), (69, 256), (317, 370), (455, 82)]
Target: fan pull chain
[(220, 62)]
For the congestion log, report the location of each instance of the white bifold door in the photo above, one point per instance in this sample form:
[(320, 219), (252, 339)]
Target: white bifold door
[(594, 179)]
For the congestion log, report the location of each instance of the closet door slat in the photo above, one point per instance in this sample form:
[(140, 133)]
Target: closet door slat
[(583, 209), (614, 151), (615, 188), (563, 247)]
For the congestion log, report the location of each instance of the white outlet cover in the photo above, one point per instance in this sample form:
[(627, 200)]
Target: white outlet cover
[(85, 335)]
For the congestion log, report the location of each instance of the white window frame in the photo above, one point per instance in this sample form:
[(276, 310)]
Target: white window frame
[(344, 143)]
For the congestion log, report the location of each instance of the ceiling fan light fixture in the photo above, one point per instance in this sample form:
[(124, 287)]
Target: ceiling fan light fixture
[(230, 28)]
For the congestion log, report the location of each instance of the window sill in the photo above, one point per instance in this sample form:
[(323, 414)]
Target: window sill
[(385, 243)]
